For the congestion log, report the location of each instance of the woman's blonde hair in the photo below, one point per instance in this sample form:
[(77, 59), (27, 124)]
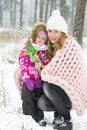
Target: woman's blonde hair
[(37, 27)]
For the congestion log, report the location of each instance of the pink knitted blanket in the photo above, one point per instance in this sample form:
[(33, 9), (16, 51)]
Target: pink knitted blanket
[(67, 70)]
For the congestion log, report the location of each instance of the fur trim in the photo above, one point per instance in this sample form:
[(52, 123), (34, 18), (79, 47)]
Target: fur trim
[(36, 29)]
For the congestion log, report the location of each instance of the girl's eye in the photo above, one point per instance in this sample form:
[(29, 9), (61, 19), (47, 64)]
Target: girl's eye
[(54, 31), (43, 38), (38, 36)]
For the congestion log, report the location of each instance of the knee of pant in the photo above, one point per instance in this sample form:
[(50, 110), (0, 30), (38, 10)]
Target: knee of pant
[(47, 89), (69, 105), (41, 103)]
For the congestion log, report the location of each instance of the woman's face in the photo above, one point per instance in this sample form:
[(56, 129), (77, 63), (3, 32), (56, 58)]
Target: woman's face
[(54, 35)]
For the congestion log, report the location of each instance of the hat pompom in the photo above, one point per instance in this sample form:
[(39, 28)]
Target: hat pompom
[(56, 12), (57, 22)]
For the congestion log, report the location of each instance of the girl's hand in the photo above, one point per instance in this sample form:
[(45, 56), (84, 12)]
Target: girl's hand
[(38, 65)]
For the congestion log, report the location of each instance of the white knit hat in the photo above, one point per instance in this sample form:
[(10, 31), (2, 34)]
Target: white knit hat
[(57, 22)]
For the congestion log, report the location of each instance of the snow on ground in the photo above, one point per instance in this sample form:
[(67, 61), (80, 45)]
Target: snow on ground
[(11, 117)]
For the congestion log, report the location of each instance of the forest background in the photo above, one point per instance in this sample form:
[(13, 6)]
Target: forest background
[(20, 15)]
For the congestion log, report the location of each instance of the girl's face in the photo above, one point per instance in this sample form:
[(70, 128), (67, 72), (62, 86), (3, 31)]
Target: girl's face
[(40, 40), (54, 35)]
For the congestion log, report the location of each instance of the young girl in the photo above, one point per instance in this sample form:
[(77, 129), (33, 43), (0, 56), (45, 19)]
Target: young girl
[(31, 89)]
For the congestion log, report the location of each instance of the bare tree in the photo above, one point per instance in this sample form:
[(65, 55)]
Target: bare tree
[(71, 15), (11, 17), (35, 11), (21, 13), (63, 8), (46, 9), (79, 20), (1, 12), (41, 10), (55, 3), (52, 6), (14, 13)]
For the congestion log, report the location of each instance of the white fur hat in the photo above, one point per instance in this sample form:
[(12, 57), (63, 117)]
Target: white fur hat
[(57, 22)]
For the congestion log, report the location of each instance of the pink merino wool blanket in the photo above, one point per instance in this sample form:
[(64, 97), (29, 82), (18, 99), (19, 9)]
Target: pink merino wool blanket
[(67, 70)]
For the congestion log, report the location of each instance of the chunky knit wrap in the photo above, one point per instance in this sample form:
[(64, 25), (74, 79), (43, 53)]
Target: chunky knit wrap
[(67, 70)]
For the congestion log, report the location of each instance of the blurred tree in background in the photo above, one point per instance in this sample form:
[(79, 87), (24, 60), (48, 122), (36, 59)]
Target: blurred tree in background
[(79, 20), (22, 14)]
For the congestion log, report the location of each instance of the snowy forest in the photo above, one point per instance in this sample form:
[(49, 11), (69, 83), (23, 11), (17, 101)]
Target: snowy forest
[(17, 18), (22, 14)]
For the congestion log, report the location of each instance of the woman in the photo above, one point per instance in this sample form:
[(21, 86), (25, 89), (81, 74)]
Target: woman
[(65, 76)]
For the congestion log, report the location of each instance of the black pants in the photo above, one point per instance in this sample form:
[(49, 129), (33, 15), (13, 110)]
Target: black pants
[(55, 99), (29, 102)]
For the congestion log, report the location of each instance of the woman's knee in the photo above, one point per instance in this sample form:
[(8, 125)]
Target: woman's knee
[(44, 104), (47, 88), (41, 102)]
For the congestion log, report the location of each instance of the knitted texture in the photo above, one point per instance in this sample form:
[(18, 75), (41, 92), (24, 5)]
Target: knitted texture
[(67, 70)]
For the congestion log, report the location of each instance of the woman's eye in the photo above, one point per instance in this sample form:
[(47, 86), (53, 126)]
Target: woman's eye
[(56, 31), (49, 31)]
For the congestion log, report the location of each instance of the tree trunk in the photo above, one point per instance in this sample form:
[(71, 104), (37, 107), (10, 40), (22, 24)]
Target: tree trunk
[(11, 6), (21, 13), (41, 10), (1, 13), (14, 13), (72, 16), (79, 20), (63, 8), (35, 11), (46, 10)]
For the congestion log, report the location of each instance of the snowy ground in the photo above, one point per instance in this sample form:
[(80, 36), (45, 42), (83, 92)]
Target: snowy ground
[(11, 117)]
